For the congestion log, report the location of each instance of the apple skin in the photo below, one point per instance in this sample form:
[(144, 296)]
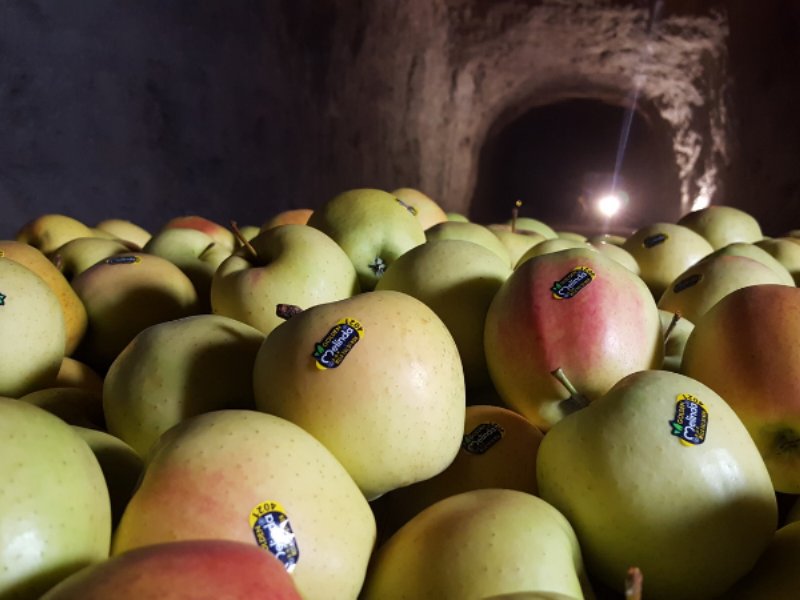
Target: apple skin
[(758, 253), (426, 209), (534, 225), (224, 465), (294, 264), (745, 348), (74, 373), (471, 232), (372, 226), (619, 254), (552, 245), (675, 340), (294, 216), (55, 516), (73, 405), (638, 495), (517, 243), (722, 225), (786, 252), (75, 256), (607, 330), (126, 231), (49, 231), (493, 541), (211, 569), (221, 235)]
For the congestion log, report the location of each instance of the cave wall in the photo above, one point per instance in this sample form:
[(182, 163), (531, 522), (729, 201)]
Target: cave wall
[(147, 110)]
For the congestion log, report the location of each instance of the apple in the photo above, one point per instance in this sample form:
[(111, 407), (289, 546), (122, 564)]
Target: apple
[(476, 544), (73, 405), (125, 230), (471, 232), (457, 279), (660, 473), (75, 256), (785, 252), (745, 348), (606, 238), (202, 569), (757, 253), (619, 254), (123, 295), (32, 330), (701, 286), (74, 373), (177, 369), (251, 477), (577, 310), (376, 378), (516, 243), (675, 329), (552, 245), (195, 253), (722, 225), (572, 235), (372, 226), (531, 224), (664, 251), (454, 216), (425, 208), (221, 235), (55, 516), (49, 231), (122, 467), (294, 216), (498, 450), (74, 313), (287, 264)]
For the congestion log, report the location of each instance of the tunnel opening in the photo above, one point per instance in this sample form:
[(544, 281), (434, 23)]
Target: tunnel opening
[(558, 159)]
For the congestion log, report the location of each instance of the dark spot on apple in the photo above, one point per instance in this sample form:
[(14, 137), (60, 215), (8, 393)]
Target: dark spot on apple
[(377, 266)]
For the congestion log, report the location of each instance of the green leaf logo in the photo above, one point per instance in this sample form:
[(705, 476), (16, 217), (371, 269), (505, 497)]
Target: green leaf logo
[(2, 299)]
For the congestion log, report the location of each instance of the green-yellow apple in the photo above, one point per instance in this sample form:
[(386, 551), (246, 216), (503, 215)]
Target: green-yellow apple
[(292, 216), (221, 235), (32, 330), (723, 225), (75, 318), (498, 450), (572, 235), (425, 208), (286, 264), (785, 252), (454, 216), (577, 310), (128, 231), (255, 478), (123, 295), (661, 474), (531, 224), (664, 251), (73, 405), (200, 569), (471, 232), (607, 238), (177, 369), (55, 516), (757, 253), (517, 243), (701, 286), (457, 279), (74, 373), (745, 348), (552, 245), (619, 254), (676, 330), (49, 231), (195, 253), (75, 256), (476, 544), (366, 376), (122, 467), (372, 226)]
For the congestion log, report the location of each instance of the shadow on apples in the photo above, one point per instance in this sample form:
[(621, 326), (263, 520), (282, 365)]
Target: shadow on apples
[(41, 580)]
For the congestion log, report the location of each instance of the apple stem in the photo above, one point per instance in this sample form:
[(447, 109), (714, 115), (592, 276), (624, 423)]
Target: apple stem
[(58, 261), (243, 240), (675, 318), (287, 311), (633, 584), (576, 400), (514, 215)]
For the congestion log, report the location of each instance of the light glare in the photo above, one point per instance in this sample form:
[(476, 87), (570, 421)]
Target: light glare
[(609, 205)]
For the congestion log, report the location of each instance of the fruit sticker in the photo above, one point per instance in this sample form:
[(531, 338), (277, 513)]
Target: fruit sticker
[(654, 240), (337, 344), (273, 532), (124, 260), (572, 283), (2, 299), (483, 437), (691, 420), (687, 282)]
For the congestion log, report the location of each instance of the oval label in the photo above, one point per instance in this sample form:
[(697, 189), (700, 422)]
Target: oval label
[(690, 424), (573, 282), (273, 532), (123, 260), (337, 344), (654, 240), (687, 282), (482, 437)]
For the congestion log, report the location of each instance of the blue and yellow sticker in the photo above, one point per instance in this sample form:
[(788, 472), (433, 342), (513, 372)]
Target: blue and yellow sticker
[(124, 259), (573, 282), (273, 532), (690, 424), (337, 344)]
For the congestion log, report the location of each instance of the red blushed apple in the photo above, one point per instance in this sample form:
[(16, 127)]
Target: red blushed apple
[(576, 310), (197, 569), (218, 233), (747, 349)]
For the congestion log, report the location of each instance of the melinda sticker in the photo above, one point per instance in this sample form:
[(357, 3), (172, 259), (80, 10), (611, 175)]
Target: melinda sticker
[(273, 532), (483, 437), (337, 344), (691, 420), (123, 260), (654, 240), (572, 283), (687, 282)]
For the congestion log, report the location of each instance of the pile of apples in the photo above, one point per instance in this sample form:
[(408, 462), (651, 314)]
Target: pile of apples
[(377, 399)]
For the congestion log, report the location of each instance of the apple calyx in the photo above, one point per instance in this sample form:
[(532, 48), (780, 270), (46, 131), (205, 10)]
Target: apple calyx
[(675, 318), (287, 311), (633, 584), (377, 266), (243, 241), (576, 400)]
